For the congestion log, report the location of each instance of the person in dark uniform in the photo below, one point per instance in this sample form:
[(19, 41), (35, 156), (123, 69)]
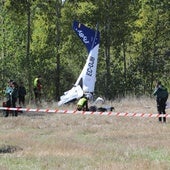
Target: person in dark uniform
[(21, 94), (161, 94), (14, 97)]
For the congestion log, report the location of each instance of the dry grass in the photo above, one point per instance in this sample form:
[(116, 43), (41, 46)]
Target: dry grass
[(44, 141)]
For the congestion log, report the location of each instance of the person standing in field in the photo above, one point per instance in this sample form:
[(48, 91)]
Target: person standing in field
[(161, 94), (8, 94), (14, 97), (21, 94), (37, 89)]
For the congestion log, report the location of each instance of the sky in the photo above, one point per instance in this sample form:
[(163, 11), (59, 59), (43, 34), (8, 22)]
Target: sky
[(63, 1)]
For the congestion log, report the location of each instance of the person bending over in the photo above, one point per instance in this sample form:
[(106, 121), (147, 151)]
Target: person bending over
[(82, 104)]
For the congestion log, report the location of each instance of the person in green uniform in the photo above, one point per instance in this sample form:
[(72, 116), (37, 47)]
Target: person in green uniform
[(82, 104)]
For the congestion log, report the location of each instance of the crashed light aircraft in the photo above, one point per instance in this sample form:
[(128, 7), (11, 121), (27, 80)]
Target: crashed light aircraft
[(87, 78)]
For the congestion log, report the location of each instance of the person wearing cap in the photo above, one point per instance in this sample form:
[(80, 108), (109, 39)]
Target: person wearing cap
[(8, 94), (161, 94), (82, 104), (9, 89)]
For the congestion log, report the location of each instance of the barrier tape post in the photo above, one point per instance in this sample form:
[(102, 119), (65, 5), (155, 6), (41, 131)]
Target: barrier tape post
[(86, 112)]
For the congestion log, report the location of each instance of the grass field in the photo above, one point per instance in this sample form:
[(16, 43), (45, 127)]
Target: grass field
[(41, 141)]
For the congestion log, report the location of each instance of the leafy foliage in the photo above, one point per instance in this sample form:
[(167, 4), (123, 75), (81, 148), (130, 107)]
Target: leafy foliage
[(37, 38)]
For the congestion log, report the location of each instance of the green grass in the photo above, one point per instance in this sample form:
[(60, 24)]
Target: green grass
[(86, 142)]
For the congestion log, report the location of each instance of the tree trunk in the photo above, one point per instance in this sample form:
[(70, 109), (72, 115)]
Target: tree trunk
[(28, 49), (57, 51), (124, 62)]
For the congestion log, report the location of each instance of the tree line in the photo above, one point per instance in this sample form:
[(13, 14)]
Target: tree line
[(37, 39)]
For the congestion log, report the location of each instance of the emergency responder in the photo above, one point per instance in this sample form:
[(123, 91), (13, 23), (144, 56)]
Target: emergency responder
[(161, 94), (82, 104), (37, 89), (8, 94)]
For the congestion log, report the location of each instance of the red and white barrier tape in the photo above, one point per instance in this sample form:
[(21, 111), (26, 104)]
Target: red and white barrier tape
[(86, 112)]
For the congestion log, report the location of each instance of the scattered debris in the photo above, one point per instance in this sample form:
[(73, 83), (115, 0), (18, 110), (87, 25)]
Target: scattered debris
[(9, 149)]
